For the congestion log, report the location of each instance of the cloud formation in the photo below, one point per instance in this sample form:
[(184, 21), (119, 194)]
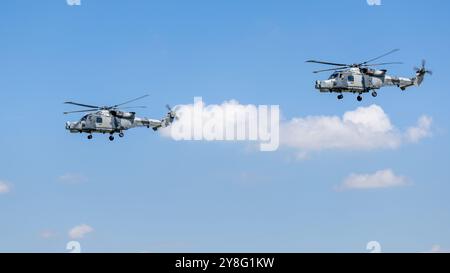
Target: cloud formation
[(4, 187), (366, 128), (380, 179), (78, 232), (422, 130)]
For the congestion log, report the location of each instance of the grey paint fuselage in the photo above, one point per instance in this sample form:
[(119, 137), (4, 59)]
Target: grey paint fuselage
[(104, 122), (355, 81)]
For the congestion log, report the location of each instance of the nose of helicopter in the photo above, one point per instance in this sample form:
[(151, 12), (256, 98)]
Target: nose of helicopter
[(68, 125), (325, 85), (317, 84)]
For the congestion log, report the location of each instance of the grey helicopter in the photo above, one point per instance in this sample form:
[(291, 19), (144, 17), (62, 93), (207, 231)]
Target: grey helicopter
[(362, 78), (112, 119)]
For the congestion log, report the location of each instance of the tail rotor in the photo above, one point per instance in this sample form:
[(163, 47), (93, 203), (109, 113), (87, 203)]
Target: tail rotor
[(171, 114), (170, 117), (420, 72)]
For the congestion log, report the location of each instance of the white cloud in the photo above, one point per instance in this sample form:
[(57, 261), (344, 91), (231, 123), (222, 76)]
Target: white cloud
[(422, 130), (4, 187), (72, 178), (80, 231), (366, 128), (380, 179)]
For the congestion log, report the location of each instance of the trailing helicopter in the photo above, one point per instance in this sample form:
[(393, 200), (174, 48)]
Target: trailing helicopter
[(362, 78), (111, 119)]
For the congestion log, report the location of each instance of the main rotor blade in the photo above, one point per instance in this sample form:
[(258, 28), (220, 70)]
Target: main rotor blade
[(129, 107), (80, 111), (379, 57), (123, 103), (382, 64), (320, 62), (80, 104), (331, 69)]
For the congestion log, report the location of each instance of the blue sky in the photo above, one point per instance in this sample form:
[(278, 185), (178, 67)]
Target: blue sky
[(149, 193)]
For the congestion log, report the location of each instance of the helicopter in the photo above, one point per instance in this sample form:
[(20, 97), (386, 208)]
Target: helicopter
[(362, 78), (111, 119)]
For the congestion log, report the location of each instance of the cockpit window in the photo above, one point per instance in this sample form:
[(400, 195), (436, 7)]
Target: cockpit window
[(351, 78), (99, 120), (334, 76), (84, 118)]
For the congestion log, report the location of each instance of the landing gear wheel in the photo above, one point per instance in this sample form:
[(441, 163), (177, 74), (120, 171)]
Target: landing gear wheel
[(121, 135), (340, 97), (111, 138), (359, 98), (89, 136), (374, 94)]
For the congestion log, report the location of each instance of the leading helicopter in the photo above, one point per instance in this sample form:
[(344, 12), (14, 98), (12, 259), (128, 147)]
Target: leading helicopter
[(361, 78), (111, 119)]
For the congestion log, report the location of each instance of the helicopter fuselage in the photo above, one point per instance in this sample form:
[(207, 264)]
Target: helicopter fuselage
[(356, 80), (110, 119), (361, 77), (104, 121)]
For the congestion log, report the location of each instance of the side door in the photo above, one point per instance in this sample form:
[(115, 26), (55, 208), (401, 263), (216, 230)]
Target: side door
[(351, 80), (100, 122), (357, 82)]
